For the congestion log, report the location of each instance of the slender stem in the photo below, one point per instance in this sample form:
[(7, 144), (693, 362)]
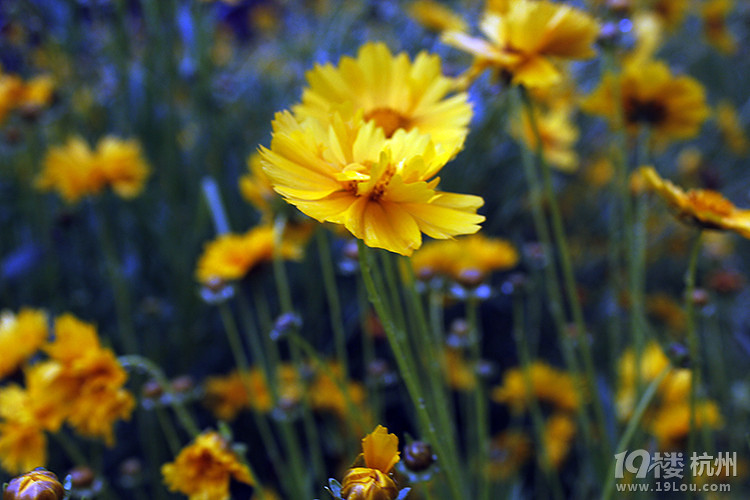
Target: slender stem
[(70, 447), (693, 339), (480, 400), (334, 302), (635, 419)]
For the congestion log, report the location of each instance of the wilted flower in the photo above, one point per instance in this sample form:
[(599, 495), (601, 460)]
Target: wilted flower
[(203, 469), (382, 190), (526, 39)]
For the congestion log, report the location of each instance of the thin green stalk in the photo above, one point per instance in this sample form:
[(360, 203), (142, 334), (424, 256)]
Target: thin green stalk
[(170, 435), (406, 365), (70, 447), (334, 302), (630, 429), (693, 339), (480, 401)]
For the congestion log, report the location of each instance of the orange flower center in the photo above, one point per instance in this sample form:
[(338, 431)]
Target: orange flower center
[(710, 201), (389, 120)]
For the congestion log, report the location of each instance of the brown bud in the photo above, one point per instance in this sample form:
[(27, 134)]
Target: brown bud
[(39, 484), (470, 278), (183, 383), (700, 297), (81, 477), (152, 390), (418, 456)]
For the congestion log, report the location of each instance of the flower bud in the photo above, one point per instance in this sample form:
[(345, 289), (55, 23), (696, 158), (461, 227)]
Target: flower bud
[(39, 484), (362, 483), (418, 456)]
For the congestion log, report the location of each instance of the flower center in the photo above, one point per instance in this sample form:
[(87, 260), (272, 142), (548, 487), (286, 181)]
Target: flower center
[(710, 201), (653, 112), (389, 120)]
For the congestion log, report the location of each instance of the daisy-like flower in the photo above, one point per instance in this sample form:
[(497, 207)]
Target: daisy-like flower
[(383, 190), (558, 134), (673, 107), (121, 164), (204, 469), (525, 39), (559, 431), (326, 392), (548, 384), (435, 16), (231, 256), (23, 444), (373, 481), (475, 254), (21, 335), (700, 207), (393, 92)]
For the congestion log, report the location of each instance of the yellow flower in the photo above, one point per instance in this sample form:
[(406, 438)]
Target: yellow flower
[(231, 256), (21, 335), (256, 187), (731, 128), (673, 107), (203, 469), (509, 450), (548, 384), (670, 12), (121, 165), (701, 207), (528, 38), (460, 374), (372, 482), (558, 134), (671, 424), (436, 16), (23, 446), (11, 90), (559, 431), (667, 310), (475, 253), (37, 92), (392, 91), (70, 170), (382, 190), (39, 484), (715, 13), (326, 393)]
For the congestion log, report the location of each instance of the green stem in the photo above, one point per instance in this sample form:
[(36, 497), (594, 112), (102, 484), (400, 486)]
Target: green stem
[(480, 400), (334, 302), (693, 339)]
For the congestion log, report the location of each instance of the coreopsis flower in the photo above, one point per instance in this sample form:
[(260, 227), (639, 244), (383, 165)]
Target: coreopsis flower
[(670, 425), (714, 14), (548, 384), (231, 256), (204, 469), (122, 165), (454, 258), (558, 134), (394, 93), (526, 39), (75, 171), (21, 335), (383, 190), (672, 107), (39, 484), (704, 208), (373, 481), (37, 92), (731, 128), (460, 374), (327, 395), (23, 446), (435, 16), (256, 187), (559, 431)]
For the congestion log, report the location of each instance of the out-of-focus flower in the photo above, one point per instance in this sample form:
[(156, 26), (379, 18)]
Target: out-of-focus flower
[(23, 446), (453, 258), (373, 482), (600, 172), (670, 13), (382, 190), (75, 171), (459, 373), (39, 484), (509, 450), (731, 128), (672, 107), (700, 207), (547, 384), (526, 38), (37, 92), (121, 165), (331, 393), (558, 134), (204, 469), (21, 335), (232, 256), (559, 431), (667, 310), (256, 187), (671, 424), (714, 14), (393, 92), (436, 16)]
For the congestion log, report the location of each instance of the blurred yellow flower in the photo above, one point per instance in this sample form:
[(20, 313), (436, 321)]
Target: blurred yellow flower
[(459, 373), (372, 482), (700, 207), (474, 253), (548, 384), (525, 39), (121, 165), (731, 128), (326, 393), (559, 431), (204, 469), (37, 92), (23, 445), (231, 256), (558, 134), (21, 335), (435, 16), (382, 190), (394, 92), (671, 424), (670, 12), (672, 107), (256, 187), (714, 14), (509, 450)]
